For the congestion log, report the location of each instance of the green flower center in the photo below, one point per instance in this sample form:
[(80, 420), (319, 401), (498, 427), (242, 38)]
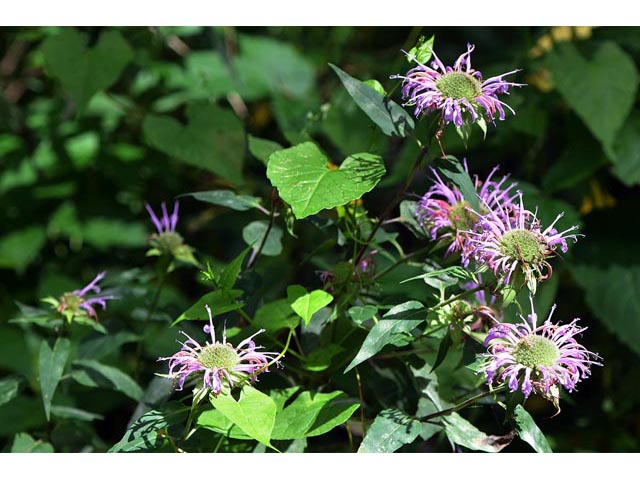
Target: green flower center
[(71, 302), (461, 218), (458, 85), (522, 245), (168, 242), (533, 351), (218, 356)]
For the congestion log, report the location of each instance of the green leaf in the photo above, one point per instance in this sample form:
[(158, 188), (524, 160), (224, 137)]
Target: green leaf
[(390, 430), (275, 316), (144, 434), (102, 346), (309, 303), (384, 112), (24, 443), (253, 234), (104, 233), (385, 332), (461, 432), (95, 374), (312, 414), (213, 139), (423, 50), (613, 294), (361, 314), (61, 411), (321, 358), (262, 149), (453, 169), (444, 347), (626, 161), (229, 274), (304, 180), (85, 71), (18, 249), (9, 387), (226, 198), (529, 431), (51, 364), (601, 90), (220, 301), (254, 412)]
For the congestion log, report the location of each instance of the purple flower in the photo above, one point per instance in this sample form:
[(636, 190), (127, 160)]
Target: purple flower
[(509, 237), (218, 361), (537, 358), (445, 213), (167, 241), (71, 302), (455, 91), (168, 223)]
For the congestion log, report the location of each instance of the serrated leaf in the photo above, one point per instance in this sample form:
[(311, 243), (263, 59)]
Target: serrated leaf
[(253, 234), (95, 374), (529, 431), (613, 294), (226, 198), (390, 430), (601, 90), (143, 434), (461, 432), (24, 443), (51, 364), (384, 112), (309, 303), (84, 71), (304, 180), (213, 139), (254, 412), (220, 301), (385, 332)]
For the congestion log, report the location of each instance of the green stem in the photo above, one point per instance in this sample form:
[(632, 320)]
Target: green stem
[(402, 260), (461, 405), (256, 253), (248, 318), (461, 295)]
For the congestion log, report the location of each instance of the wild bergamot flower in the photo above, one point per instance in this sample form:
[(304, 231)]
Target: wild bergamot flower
[(167, 241), (537, 358), (511, 237), (455, 91), (218, 361), (81, 302), (445, 213)]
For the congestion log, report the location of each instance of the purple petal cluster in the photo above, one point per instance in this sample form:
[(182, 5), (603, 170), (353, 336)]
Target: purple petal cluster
[(218, 361), (536, 358), (168, 223), (79, 299), (510, 236), (445, 214), (455, 91)]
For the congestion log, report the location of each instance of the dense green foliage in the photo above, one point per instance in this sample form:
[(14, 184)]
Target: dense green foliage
[(283, 157)]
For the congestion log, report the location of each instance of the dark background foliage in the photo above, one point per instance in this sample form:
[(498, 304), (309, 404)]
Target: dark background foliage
[(87, 138)]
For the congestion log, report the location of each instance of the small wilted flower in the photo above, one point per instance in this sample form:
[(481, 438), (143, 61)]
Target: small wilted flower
[(81, 303), (218, 361), (537, 358), (167, 241), (455, 91), (445, 213), (509, 238)]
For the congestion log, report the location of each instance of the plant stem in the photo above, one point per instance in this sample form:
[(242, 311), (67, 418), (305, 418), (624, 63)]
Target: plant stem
[(461, 295), (272, 216), (461, 405), (402, 260), (248, 318)]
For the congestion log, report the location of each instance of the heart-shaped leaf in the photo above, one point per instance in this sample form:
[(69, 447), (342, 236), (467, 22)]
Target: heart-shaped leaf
[(601, 90), (84, 71), (213, 139), (309, 303), (305, 180)]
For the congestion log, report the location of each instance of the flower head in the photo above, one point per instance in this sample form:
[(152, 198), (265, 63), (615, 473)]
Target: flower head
[(455, 91), (536, 358), (510, 237), (70, 304), (218, 361), (445, 213), (167, 241)]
